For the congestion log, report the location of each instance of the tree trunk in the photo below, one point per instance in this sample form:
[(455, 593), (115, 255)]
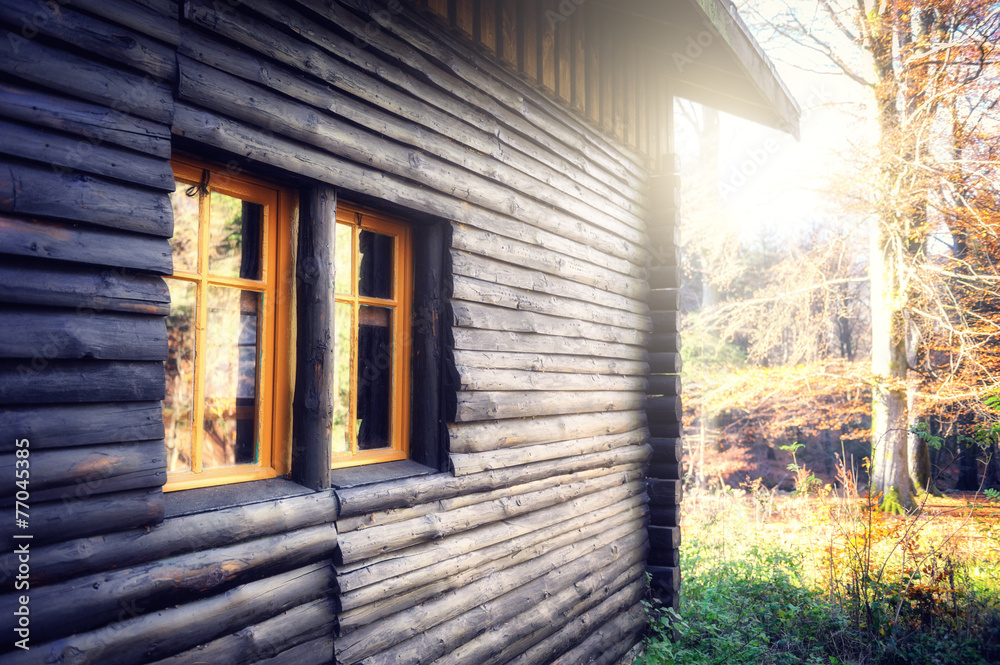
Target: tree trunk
[(968, 465), (890, 473)]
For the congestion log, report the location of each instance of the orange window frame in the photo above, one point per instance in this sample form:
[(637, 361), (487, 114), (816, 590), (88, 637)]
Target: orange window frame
[(361, 219), (273, 398)]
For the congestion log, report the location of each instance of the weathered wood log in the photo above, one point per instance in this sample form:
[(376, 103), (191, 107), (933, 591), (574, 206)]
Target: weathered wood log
[(361, 500), (664, 470), (538, 362), (358, 545), (493, 405), (396, 593), (664, 321), (94, 36), (80, 425), (665, 363), (487, 269), (545, 612), (268, 640), (551, 641), (314, 652), (88, 289), (72, 153), (664, 384), (220, 132), (664, 537), (387, 70), (159, 20), (666, 430), (666, 558), (41, 381), (588, 147), (32, 333), (100, 469), (425, 631), (494, 435), (406, 599), (314, 377), (509, 166), (491, 340), (667, 451), (138, 640), (69, 242), (590, 268), (381, 518), (89, 602), (89, 515), (541, 621), (664, 409), (97, 123), (481, 378), (663, 299), (223, 92), (664, 492), (499, 459), (84, 78), (622, 632), (664, 581), (541, 313), (664, 515), (665, 343), (664, 233), (33, 190), (665, 277), (177, 536)]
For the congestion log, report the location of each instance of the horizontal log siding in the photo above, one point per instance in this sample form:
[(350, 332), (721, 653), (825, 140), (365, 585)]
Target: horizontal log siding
[(534, 539)]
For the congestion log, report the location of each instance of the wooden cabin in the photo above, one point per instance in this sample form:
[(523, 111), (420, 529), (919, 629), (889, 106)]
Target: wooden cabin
[(345, 331)]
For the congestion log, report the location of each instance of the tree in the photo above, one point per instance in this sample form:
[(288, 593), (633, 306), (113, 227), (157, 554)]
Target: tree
[(930, 67)]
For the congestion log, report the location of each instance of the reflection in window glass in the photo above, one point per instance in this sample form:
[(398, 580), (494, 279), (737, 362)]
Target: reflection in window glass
[(178, 412), (230, 421), (342, 321), (234, 237), (375, 269), (184, 243), (342, 258), (374, 377)]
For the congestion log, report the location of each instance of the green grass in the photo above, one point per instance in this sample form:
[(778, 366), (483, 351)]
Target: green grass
[(760, 593)]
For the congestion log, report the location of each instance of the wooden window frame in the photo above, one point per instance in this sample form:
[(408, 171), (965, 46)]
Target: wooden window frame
[(273, 402), (360, 218)]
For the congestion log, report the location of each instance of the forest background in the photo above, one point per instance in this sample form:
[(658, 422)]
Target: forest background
[(854, 272)]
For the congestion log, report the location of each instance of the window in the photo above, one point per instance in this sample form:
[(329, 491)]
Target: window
[(226, 406), (372, 324)]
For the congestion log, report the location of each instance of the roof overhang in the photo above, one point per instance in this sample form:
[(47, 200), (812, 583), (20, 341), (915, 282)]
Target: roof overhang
[(710, 57)]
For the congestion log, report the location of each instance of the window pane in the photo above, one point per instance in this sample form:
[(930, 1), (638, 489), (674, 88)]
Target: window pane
[(184, 243), (374, 377), (375, 269), (177, 405), (230, 423), (234, 237), (342, 259), (342, 377)]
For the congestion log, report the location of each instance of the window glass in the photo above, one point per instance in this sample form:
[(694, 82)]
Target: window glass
[(184, 243), (375, 272), (234, 237), (374, 377), (343, 324), (178, 404), (344, 255)]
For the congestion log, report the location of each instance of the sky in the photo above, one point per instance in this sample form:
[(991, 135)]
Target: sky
[(769, 180)]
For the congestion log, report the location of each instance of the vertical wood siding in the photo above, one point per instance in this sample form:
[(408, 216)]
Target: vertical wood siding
[(530, 547)]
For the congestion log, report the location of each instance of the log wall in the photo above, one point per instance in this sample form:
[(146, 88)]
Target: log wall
[(527, 544)]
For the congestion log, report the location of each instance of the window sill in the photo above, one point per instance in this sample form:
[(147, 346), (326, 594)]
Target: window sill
[(207, 499), (370, 474)]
